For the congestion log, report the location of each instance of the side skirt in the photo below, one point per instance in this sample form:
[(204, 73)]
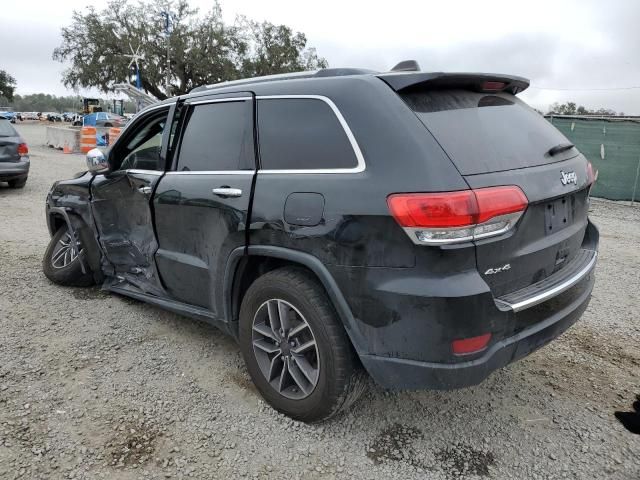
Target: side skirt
[(174, 306)]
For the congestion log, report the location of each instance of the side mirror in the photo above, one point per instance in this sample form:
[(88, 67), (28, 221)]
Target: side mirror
[(97, 161)]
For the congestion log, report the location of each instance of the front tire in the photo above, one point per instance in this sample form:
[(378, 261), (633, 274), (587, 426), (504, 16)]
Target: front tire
[(61, 263), (295, 347)]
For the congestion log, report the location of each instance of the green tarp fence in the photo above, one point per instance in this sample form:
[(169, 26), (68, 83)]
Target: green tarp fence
[(613, 146)]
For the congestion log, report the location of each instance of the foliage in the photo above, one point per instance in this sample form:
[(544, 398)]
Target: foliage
[(570, 108), (7, 85), (41, 102), (203, 49)]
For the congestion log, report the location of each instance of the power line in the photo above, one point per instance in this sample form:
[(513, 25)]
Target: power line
[(586, 89)]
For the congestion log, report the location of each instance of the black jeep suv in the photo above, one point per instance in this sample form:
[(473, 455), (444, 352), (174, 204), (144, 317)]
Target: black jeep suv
[(425, 228)]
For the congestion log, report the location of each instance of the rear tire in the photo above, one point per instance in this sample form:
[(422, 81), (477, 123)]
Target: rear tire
[(307, 381), (60, 263), (18, 183)]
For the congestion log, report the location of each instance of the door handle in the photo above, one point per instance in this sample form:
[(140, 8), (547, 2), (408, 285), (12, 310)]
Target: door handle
[(144, 190), (227, 192)]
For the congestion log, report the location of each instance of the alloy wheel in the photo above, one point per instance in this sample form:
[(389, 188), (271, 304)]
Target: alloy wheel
[(285, 349), (64, 253)]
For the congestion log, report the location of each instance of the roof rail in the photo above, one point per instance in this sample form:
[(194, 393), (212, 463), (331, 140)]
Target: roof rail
[(324, 72)]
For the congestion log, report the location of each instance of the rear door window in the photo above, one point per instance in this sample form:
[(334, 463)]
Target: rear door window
[(218, 137), (302, 134), (484, 132)]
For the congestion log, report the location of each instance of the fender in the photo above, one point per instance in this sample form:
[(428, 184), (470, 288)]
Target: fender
[(306, 260)]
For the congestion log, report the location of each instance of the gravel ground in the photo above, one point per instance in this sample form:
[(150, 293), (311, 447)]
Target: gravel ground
[(99, 386)]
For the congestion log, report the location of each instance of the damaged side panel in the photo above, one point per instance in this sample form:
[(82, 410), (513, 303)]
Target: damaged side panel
[(122, 213)]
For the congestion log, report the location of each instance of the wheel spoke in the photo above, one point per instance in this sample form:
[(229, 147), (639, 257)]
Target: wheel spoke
[(299, 378), (283, 313), (265, 331), (296, 330), (283, 375), (306, 368), (304, 347), (58, 255), (275, 367), (266, 346), (274, 318)]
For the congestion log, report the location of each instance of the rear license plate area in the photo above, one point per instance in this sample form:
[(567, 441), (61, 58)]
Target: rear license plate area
[(558, 214)]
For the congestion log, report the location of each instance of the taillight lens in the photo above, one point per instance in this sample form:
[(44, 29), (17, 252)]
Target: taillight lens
[(23, 149), (592, 174), (451, 217)]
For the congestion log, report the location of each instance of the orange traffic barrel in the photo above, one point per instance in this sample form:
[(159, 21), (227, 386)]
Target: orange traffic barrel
[(87, 139), (114, 133)]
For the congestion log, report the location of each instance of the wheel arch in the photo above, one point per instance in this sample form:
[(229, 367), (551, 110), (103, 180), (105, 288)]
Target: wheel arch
[(58, 217), (244, 266)]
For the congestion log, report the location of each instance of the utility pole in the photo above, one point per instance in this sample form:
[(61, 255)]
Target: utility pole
[(167, 26)]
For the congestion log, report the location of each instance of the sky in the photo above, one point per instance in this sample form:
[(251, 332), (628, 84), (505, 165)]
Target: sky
[(583, 51)]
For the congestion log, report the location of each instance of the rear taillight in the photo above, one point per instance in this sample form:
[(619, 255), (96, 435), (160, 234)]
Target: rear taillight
[(451, 217), (23, 149), (592, 174)]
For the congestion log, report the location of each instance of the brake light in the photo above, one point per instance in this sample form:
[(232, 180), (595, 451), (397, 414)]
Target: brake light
[(467, 346), (592, 174), (451, 217), (493, 86), (23, 149)]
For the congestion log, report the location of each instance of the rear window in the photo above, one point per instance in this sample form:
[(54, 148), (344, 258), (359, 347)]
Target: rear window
[(302, 134), (487, 132), (6, 129)]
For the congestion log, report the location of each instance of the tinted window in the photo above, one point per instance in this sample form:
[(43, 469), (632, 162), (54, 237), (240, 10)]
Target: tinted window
[(302, 133), (487, 132), (218, 136)]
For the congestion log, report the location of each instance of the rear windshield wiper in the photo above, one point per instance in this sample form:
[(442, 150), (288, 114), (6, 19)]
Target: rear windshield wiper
[(560, 148)]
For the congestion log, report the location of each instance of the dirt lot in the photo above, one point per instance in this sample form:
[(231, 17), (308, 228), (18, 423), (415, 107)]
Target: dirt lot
[(98, 386)]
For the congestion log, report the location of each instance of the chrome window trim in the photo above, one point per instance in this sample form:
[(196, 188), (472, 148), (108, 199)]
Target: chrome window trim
[(359, 168), (212, 172), (154, 107), (219, 100), (147, 172)]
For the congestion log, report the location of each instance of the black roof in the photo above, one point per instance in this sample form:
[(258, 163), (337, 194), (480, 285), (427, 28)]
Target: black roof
[(398, 79)]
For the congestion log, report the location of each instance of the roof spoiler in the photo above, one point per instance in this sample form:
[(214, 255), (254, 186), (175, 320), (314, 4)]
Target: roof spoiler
[(478, 82), (406, 66)]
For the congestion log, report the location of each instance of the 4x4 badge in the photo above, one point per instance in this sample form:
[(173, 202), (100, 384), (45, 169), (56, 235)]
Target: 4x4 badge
[(503, 268), (568, 177)]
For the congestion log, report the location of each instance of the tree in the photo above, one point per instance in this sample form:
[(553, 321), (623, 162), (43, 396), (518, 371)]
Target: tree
[(7, 85), (570, 108), (203, 49)]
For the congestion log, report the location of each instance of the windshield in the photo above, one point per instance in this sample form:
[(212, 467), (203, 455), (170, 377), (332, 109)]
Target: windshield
[(484, 132)]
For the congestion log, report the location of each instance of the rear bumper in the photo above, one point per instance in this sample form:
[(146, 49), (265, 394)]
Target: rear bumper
[(406, 319), (411, 374), (14, 170)]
